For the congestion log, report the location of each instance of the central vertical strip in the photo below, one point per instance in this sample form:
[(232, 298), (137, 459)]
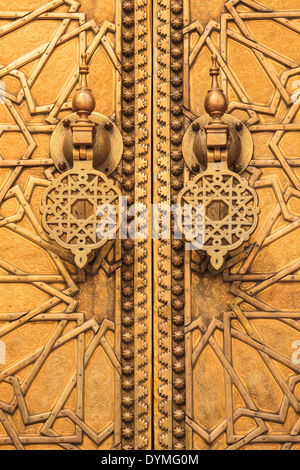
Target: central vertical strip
[(118, 280), (128, 245), (162, 248), (143, 247), (137, 251), (187, 265)]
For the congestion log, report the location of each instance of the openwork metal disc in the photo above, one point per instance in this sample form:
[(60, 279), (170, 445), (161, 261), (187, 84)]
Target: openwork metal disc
[(70, 209), (223, 213)]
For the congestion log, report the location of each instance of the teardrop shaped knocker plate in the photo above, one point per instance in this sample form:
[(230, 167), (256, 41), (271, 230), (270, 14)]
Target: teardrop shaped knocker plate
[(220, 207)]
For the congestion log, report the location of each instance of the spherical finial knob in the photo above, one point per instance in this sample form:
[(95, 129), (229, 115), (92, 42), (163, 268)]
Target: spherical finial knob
[(84, 101), (216, 103)]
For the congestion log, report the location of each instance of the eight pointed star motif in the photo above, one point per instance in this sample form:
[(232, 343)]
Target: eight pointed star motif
[(240, 220)]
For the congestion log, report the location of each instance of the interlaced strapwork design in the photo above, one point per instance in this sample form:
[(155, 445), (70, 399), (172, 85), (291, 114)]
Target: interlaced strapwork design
[(73, 207), (236, 202)]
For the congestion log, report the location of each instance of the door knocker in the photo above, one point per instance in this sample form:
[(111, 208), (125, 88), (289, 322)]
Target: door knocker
[(219, 144), (85, 148)]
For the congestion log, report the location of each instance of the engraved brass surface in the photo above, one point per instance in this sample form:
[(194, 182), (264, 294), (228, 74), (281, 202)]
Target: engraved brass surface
[(70, 210), (240, 145), (230, 213), (223, 206), (219, 372), (107, 146), (61, 360), (223, 340), (75, 203), (242, 322)]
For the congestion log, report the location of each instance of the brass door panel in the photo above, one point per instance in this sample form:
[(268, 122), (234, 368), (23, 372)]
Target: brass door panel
[(74, 350), (149, 339), (224, 339)]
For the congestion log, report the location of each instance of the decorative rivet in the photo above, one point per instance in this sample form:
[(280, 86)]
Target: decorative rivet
[(109, 126), (66, 123), (239, 126), (62, 166)]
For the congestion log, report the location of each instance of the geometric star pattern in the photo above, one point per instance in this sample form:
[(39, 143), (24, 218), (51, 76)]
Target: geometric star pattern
[(70, 212), (253, 285), (66, 333), (258, 292), (69, 26), (50, 339), (228, 230)]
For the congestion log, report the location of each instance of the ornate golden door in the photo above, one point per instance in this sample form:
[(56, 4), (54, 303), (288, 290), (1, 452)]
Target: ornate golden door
[(146, 344)]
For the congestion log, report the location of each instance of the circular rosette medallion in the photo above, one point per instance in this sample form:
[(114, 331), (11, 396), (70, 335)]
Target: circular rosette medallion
[(219, 213), (80, 210)]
